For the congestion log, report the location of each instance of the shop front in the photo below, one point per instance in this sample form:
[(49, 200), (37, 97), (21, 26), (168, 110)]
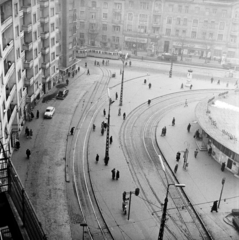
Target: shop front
[(136, 44)]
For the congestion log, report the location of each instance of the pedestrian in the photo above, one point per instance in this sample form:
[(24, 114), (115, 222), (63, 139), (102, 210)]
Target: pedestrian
[(150, 85), (196, 153), (67, 82), (117, 175), (223, 166), (119, 112), (227, 84), (196, 135), (212, 80), (214, 206), (188, 127), (32, 115), (145, 81), (28, 153), (93, 127), (186, 103), (173, 122), (30, 133), (88, 71), (106, 160), (182, 86), (103, 62), (162, 133), (124, 116), (125, 63), (116, 96), (72, 130), (178, 155), (149, 101), (27, 132), (175, 168), (104, 112), (111, 139), (38, 114), (130, 63), (86, 64), (218, 82), (103, 124), (113, 174), (97, 158), (191, 86), (17, 144), (102, 131)]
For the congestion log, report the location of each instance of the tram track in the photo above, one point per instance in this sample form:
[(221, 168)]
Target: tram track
[(142, 162)]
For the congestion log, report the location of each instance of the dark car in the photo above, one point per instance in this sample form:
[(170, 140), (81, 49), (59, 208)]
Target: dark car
[(167, 57), (227, 66), (62, 94)]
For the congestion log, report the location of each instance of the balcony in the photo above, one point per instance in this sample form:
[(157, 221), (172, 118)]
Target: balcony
[(45, 65), (24, 92), (23, 54), (57, 57), (117, 10), (57, 44), (7, 49), (45, 50), (30, 98), (27, 28), (7, 23), (21, 13), (10, 95), (12, 117), (44, 19), (9, 73), (29, 81), (46, 78), (44, 4), (22, 34), (27, 9), (45, 35), (23, 73), (27, 46), (28, 64)]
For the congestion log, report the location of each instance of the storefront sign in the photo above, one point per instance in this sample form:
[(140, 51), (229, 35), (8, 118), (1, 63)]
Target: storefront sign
[(188, 45), (136, 40)]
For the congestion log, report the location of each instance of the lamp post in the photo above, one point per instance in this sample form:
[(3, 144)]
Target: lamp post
[(108, 131), (123, 58), (83, 225), (223, 182), (163, 219)]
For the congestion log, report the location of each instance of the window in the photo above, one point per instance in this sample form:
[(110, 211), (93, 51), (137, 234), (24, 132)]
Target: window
[(142, 28), (52, 27), (35, 53), (156, 19), (130, 16), (186, 9), (16, 9), (82, 25), (19, 74), (104, 27), (195, 23), (105, 15), (231, 54), (143, 18), (203, 35), (17, 31), (104, 38), (221, 25), (207, 11), (168, 32), (118, 6), (212, 24), (180, 8), (129, 27), (169, 20), (220, 37), (197, 9), (92, 15), (34, 2), (53, 69), (210, 35), (117, 39), (217, 53), (224, 13), (82, 3), (233, 38), (35, 35), (214, 10), (52, 12), (131, 4), (157, 6), (52, 42), (93, 4), (156, 30), (184, 32), (185, 22), (171, 8), (36, 69), (205, 23), (105, 5), (82, 14), (194, 34), (178, 21), (177, 32), (18, 53), (116, 28), (52, 56), (144, 5), (34, 18)]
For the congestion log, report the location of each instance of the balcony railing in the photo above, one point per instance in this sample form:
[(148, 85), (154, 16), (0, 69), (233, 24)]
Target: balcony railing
[(45, 35), (27, 28), (44, 19), (23, 54), (44, 4), (10, 95), (7, 49), (6, 23), (29, 81), (27, 46), (9, 73), (45, 65), (45, 50), (28, 64), (27, 8)]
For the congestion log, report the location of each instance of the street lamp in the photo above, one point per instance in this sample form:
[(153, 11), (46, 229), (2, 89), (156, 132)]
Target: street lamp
[(223, 182), (108, 131), (123, 58), (163, 219), (83, 225)]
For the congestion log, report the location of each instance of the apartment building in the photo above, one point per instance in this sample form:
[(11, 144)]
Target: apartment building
[(68, 35), (50, 49), (197, 28)]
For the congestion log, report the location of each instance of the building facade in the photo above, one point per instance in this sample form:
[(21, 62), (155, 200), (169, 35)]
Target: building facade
[(195, 28)]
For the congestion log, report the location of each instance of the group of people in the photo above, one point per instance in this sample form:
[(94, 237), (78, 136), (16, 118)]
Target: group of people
[(115, 175), (28, 132)]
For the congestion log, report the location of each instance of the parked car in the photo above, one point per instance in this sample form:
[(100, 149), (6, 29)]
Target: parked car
[(49, 112), (167, 57), (62, 94), (228, 66)]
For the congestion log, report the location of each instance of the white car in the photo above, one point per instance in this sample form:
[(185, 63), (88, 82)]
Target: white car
[(49, 112)]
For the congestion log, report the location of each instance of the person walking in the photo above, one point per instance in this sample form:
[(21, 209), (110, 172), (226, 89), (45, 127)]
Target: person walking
[(32, 115), (173, 122), (86, 64), (88, 71), (186, 103), (116, 96), (188, 127), (149, 101), (178, 155), (104, 112), (214, 206), (106, 160), (93, 127), (72, 130), (130, 63), (117, 175), (218, 82), (37, 114), (97, 158), (30, 133), (145, 81), (17, 144), (28, 153), (113, 174), (191, 86), (111, 139), (211, 79), (182, 86), (27, 132), (196, 153), (164, 131), (175, 168), (124, 116), (103, 124), (119, 112), (102, 131), (150, 85)]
